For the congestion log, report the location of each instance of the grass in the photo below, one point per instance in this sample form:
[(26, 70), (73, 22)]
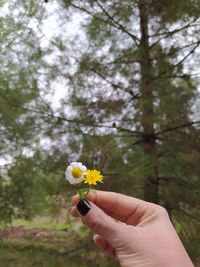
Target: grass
[(41, 224), (14, 254), (28, 256), (59, 245)]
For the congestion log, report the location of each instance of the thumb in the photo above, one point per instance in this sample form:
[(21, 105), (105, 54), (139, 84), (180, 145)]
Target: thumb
[(99, 222)]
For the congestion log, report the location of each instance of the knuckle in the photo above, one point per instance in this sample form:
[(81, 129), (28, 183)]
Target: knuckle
[(162, 211), (97, 224)]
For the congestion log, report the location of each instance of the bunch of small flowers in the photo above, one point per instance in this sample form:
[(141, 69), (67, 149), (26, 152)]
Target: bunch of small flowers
[(77, 174)]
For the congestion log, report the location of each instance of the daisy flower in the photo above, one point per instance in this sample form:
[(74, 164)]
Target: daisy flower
[(75, 172), (92, 177)]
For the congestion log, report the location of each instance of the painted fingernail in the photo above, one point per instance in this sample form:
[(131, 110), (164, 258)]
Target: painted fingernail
[(83, 207)]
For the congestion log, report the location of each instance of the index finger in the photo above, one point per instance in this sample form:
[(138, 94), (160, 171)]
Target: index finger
[(124, 208)]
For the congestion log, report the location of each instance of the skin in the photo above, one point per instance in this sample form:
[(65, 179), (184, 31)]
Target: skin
[(134, 232)]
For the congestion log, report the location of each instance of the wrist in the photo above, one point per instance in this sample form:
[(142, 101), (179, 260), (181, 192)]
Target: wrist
[(174, 253)]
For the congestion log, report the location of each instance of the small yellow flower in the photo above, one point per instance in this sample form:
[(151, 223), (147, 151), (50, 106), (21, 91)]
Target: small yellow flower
[(92, 177)]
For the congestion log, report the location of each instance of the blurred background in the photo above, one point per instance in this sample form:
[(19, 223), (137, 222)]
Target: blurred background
[(113, 84)]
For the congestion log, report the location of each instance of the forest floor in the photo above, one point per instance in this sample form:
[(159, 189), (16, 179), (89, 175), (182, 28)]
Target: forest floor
[(48, 245), (43, 236)]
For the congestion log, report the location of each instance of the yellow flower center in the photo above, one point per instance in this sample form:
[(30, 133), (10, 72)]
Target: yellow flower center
[(76, 172)]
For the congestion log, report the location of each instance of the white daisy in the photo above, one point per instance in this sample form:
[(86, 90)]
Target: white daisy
[(75, 172)]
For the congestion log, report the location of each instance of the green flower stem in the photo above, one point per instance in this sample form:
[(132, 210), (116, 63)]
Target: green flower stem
[(83, 192)]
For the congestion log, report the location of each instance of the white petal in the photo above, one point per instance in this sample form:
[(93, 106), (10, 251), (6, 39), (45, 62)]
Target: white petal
[(73, 164), (75, 181), (79, 164), (71, 179), (79, 180), (68, 172), (69, 168)]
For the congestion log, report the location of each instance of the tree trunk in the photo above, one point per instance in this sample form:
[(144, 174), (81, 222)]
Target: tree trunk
[(151, 188)]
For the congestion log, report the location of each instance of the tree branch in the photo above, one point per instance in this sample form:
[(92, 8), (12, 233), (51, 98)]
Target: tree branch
[(118, 25), (117, 86), (168, 33), (174, 128), (76, 121), (169, 129), (113, 22), (171, 53), (179, 181), (179, 63)]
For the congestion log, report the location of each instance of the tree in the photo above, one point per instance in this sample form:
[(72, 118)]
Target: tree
[(32, 157), (131, 90), (136, 83), (19, 91)]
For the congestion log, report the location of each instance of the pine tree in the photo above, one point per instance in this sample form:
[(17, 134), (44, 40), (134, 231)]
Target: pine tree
[(131, 104), (135, 83), (18, 93)]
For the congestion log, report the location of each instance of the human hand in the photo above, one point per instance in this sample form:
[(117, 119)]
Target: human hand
[(134, 232)]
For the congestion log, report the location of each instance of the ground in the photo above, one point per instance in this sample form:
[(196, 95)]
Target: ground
[(50, 246)]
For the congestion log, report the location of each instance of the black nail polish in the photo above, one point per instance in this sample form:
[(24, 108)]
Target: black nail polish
[(83, 207)]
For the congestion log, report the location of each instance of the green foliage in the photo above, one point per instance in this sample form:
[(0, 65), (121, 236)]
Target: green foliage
[(143, 146), (130, 89), (95, 27), (174, 11), (49, 247)]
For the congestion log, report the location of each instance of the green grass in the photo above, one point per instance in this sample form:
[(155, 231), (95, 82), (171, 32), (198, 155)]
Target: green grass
[(27, 256), (77, 249), (41, 224), (14, 254)]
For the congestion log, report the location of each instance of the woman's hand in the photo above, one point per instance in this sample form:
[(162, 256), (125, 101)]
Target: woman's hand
[(135, 232)]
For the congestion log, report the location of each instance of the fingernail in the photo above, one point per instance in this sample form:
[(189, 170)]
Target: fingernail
[(83, 207)]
